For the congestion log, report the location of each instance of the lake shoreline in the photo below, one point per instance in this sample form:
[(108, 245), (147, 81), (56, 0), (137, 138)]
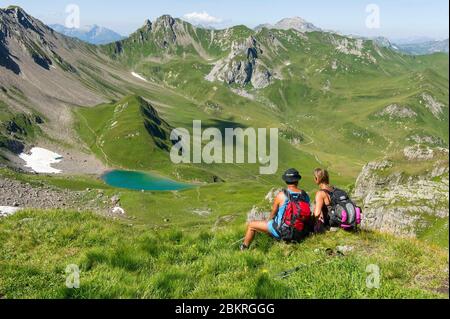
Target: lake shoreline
[(141, 181)]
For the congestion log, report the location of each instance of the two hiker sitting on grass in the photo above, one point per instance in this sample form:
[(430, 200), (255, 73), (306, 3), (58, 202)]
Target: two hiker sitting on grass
[(292, 220)]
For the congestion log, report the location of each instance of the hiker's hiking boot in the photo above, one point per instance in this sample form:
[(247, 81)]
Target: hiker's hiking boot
[(243, 247)]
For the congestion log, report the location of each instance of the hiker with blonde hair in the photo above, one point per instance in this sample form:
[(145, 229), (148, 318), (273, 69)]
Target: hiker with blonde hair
[(323, 198), (333, 208)]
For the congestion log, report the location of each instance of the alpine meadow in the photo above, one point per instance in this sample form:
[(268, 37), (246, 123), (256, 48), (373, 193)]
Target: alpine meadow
[(87, 178)]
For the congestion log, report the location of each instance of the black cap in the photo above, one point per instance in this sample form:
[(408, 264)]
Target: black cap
[(291, 176)]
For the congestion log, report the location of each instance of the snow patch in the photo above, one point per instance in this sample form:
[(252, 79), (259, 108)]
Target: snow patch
[(40, 160), (140, 77), (6, 211)]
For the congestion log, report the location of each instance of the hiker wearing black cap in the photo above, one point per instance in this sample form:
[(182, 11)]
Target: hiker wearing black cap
[(290, 214)]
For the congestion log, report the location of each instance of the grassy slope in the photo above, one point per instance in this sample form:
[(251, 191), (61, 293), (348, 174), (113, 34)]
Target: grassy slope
[(124, 261), (110, 129), (94, 126)]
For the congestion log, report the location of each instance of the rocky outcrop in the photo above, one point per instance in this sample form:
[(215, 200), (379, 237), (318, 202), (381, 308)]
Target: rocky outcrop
[(242, 66), (15, 131), (399, 204), (12, 145), (418, 153), (426, 139), (395, 111), (261, 77), (434, 106), (352, 47)]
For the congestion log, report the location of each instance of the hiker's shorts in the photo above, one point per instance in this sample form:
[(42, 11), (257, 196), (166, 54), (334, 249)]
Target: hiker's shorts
[(273, 232)]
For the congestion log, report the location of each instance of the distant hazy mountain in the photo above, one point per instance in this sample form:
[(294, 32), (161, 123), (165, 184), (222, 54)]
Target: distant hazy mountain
[(383, 42), (421, 48), (413, 48), (412, 40), (91, 34), (295, 23)]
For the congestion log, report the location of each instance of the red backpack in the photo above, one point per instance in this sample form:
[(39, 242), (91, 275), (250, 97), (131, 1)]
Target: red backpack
[(296, 220)]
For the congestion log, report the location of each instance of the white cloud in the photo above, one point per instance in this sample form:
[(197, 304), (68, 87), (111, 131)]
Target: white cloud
[(202, 18)]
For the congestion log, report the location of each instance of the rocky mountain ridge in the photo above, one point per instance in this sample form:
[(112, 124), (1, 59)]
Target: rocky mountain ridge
[(242, 66)]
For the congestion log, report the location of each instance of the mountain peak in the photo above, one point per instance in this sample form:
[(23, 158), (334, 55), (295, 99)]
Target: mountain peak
[(166, 21), (13, 9), (15, 15), (147, 26), (293, 19), (17, 12), (296, 23)]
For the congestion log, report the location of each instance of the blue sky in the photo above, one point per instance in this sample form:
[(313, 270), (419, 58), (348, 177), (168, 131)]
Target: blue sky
[(398, 18)]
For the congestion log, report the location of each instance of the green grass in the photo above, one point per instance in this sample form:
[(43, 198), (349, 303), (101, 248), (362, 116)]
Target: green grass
[(72, 182), (124, 261), (435, 232)]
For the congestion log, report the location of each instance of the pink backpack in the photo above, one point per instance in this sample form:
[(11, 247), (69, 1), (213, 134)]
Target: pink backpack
[(343, 212)]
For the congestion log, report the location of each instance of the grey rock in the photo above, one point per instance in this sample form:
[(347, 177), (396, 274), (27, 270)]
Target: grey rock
[(272, 194), (395, 111), (418, 153), (345, 249), (396, 203), (256, 214), (242, 66), (115, 199), (434, 106), (17, 194)]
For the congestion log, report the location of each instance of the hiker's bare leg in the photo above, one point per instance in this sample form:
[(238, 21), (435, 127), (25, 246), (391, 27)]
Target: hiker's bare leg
[(252, 229)]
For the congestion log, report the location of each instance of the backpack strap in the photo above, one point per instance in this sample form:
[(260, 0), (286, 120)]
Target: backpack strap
[(287, 194), (332, 200), (331, 194), (325, 191), (301, 196)]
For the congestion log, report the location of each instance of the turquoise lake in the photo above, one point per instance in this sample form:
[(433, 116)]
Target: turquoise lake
[(134, 180)]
